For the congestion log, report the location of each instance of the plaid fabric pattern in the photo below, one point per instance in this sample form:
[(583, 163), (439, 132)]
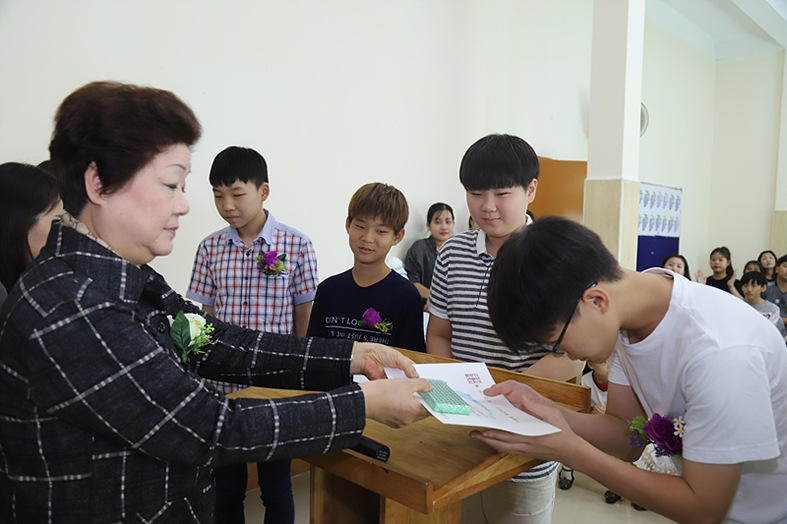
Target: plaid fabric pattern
[(101, 422), (226, 276)]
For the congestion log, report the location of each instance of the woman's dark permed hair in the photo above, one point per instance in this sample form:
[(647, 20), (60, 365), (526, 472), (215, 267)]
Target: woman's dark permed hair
[(120, 127), (436, 208), (685, 263), (538, 276), (497, 162), (726, 254), (26, 192), (380, 200), (238, 164)]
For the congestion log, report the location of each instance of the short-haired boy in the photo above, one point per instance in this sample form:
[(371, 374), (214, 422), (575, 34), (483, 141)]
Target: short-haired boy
[(370, 302), (705, 360), (500, 175), (753, 286), (777, 288), (260, 274)]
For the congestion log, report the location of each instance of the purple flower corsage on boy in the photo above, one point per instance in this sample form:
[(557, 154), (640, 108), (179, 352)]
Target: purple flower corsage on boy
[(666, 434), (372, 319), (271, 262)]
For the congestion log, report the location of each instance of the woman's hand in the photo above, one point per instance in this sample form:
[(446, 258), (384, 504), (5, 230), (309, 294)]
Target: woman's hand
[(371, 360), (701, 278), (391, 401)]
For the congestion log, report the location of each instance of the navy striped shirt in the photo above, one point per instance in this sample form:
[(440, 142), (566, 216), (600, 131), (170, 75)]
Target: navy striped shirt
[(458, 294)]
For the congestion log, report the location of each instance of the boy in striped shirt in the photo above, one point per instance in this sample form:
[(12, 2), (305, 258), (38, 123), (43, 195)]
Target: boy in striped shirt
[(500, 176)]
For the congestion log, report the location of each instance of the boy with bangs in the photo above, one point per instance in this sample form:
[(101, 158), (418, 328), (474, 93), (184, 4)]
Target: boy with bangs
[(500, 175), (260, 274), (370, 302), (753, 286), (707, 370)]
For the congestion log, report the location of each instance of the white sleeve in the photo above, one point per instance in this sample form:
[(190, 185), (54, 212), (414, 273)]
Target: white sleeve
[(729, 417), (616, 373)]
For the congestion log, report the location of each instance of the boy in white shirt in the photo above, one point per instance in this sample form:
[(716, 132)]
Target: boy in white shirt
[(675, 349)]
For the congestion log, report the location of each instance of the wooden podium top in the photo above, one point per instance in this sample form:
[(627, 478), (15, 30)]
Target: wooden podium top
[(432, 464)]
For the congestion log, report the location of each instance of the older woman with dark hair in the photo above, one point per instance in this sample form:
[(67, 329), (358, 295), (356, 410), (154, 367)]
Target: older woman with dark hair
[(104, 416)]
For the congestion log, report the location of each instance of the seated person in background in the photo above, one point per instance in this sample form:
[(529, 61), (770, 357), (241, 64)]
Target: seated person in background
[(29, 201), (235, 281), (422, 255), (712, 369), (753, 265), (723, 277), (500, 176), (370, 302), (753, 285), (767, 260), (777, 289), (678, 264)]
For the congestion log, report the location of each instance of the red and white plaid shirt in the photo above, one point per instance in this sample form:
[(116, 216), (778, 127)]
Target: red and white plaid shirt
[(227, 277)]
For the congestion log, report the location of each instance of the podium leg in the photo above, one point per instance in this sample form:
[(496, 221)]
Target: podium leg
[(392, 512), (334, 500)]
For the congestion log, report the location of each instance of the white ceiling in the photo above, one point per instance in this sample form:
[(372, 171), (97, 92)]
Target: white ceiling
[(725, 29)]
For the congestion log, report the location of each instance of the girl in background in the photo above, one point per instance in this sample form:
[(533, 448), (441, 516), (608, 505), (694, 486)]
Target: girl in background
[(753, 265), (767, 260), (678, 264), (29, 201), (422, 255), (723, 274)]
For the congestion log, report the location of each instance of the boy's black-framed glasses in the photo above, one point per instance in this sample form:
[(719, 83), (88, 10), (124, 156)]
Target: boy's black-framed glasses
[(556, 347)]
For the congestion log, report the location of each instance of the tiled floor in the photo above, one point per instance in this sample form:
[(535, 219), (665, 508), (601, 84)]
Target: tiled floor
[(583, 503)]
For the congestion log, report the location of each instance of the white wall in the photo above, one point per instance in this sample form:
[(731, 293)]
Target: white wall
[(334, 94), (714, 132), (745, 154), (678, 88)]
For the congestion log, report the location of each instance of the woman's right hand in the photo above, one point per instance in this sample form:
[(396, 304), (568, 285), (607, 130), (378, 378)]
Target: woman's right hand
[(391, 401), (701, 277)]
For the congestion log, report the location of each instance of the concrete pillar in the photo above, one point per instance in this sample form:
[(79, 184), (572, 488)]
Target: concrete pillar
[(779, 230), (611, 203)]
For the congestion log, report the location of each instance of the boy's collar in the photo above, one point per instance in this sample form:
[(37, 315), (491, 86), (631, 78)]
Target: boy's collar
[(265, 234), (480, 242)]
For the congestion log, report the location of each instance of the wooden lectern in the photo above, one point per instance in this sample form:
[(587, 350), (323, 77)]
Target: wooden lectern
[(432, 467)]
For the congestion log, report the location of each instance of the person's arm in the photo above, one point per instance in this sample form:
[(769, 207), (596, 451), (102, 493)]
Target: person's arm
[(703, 494), (409, 334), (422, 290), (304, 283), (300, 318), (556, 367), (731, 285), (439, 330), (316, 326), (438, 337), (202, 288), (119, 379)]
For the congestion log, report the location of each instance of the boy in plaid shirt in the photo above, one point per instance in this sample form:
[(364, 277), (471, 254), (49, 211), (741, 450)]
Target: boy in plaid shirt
[(260, 274)]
